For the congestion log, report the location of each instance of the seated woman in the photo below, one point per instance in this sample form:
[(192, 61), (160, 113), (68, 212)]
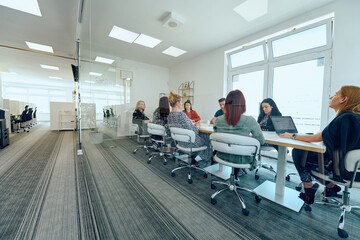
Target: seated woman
[(139, 113), (235, 122), (267, 108), (179, 119), (192, 114), (339, 137)]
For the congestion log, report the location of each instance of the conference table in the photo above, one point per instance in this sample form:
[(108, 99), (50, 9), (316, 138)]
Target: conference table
[(276, 192)]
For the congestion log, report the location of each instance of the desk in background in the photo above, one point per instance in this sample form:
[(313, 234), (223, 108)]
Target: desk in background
[(278, 193)]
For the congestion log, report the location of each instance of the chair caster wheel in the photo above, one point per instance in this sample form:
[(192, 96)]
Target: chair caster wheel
[(173, 174), (257, 177), (213, 201), (148, 161), (190, 181), (287, 178), (258, 198), (147, 153), (275, 176), (165, 163), (245, 212), (213, 186), (342, 233), (205, 175), (307, 208), (298, 188), (134, 152)]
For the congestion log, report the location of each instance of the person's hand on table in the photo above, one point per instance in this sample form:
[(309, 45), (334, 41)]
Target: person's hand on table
[(197, 124), (286, 135)]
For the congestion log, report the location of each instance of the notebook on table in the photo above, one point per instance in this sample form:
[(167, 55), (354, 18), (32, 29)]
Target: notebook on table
[(283, 124)]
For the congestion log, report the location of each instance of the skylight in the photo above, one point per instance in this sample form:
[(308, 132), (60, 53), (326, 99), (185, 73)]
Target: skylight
[(28, 6), (104, 60), (49, 67), (173, 51), (147, 41), (252, 9), (55, 77), (95, 74), (39, 47), (123, 34)]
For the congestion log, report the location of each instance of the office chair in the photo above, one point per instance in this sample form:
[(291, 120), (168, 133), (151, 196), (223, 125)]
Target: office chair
[(187, 136), (352, 164), (262, 165), (34, 116), (22, 121), (160, 131), (29, 117), (141, 133), (235, 145)]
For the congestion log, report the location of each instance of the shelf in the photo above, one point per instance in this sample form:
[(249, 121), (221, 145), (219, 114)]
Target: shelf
[(185, 89)]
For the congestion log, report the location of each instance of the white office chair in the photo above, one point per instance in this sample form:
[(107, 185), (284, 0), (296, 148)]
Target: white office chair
[(139, 134), (158, 130), (352, 164), (236, 145), (186, 136), (262, 165)]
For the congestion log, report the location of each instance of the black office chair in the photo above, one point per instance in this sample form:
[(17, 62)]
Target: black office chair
[(22, 121), (29, 117), (34, 116)]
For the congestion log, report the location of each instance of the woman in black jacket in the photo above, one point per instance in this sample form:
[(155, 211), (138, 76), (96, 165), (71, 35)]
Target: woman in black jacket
[(339, 137), (267, 108)]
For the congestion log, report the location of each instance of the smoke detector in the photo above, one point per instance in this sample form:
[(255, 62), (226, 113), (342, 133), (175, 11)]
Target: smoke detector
[(173, 21)]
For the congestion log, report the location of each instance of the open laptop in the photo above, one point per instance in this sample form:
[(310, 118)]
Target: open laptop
[(283, 124)]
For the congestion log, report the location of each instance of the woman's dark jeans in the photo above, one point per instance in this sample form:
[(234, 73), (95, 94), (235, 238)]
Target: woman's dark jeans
[(311, 161)]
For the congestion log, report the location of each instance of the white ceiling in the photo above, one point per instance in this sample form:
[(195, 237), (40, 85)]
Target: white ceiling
[(208, 24)]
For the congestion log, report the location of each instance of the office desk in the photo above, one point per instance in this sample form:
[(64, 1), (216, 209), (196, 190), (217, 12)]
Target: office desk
[(278, 192)]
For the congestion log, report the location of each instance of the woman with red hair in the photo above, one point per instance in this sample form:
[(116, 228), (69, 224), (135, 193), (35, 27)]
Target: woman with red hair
[(235, 122)]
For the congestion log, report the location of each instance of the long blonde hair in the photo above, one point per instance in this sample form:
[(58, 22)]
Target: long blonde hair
[(174, 98), (138, 104), (352, 103)]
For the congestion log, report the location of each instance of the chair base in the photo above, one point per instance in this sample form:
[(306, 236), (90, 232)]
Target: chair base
[(232, 186), (344, 206), (160, 154), (189, 166)]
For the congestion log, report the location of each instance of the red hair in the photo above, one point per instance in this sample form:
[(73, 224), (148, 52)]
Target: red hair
[(235, 106)]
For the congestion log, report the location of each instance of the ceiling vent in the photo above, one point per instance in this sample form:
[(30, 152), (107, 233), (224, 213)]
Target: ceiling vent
[(173, 21)]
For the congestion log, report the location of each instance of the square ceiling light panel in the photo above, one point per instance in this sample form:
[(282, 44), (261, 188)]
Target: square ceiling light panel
[(173, 51), (49, 67), (28, 6), (123, 34), (104, 60), (252, 9), (95, 74), (147, 41), (40, 47)]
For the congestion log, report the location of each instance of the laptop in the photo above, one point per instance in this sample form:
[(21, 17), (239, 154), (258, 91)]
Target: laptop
[(283, 124)]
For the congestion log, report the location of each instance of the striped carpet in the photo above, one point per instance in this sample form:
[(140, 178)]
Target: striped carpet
[(47, 192)]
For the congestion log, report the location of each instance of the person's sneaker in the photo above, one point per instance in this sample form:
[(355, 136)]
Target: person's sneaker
[(309, 196), (332, 192)]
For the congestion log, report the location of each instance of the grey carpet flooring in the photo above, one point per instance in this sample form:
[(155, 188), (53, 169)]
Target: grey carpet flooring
[(48, 192)]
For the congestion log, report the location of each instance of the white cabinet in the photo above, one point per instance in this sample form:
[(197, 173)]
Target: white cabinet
[(67, 120)]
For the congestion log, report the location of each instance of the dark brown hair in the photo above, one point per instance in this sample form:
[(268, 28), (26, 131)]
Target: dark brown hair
[(235, 106)]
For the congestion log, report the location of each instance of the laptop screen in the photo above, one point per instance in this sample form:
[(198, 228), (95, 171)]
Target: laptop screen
[(283, 124)]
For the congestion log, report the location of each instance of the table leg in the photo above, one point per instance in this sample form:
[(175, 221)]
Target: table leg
[(280, 172)]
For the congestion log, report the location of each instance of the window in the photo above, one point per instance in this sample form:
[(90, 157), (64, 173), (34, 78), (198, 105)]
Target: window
[(294, 74)]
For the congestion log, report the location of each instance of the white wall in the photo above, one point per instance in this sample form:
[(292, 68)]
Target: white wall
[(208, 70)]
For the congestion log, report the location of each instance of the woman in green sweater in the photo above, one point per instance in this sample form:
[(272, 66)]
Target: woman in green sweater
[(235, 122)]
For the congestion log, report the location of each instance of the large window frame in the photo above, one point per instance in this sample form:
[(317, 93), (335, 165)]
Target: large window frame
[(271, 62)]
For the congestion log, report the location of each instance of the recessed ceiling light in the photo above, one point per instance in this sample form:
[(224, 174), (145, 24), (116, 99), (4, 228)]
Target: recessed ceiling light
[(87, 81), (55, 77), (39, 47), (28, 6), (104, 60), (173, 51), (95, 74), (49, 67), (123, 34), (147, 41), (251, 10)]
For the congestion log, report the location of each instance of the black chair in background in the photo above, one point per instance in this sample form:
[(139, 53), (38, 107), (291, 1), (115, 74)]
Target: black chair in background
[(22, 120)]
